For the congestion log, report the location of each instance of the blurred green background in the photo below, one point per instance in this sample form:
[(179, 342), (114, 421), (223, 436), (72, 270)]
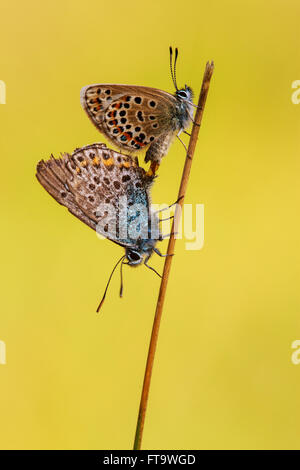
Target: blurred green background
[(223, 376)]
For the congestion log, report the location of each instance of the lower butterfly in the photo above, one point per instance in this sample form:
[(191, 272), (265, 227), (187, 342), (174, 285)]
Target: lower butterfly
[(110, 193)]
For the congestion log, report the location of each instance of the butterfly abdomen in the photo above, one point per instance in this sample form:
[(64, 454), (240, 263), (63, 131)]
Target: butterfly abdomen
[(159, 148)]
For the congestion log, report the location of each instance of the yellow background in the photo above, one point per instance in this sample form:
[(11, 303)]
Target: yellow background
[(223, 376)]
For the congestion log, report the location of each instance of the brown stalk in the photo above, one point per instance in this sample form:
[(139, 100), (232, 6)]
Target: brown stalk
[(167, 266)]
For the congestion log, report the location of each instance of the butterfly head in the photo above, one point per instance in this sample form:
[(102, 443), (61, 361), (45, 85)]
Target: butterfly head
[(184, 94), (141, 252), (134, 257)]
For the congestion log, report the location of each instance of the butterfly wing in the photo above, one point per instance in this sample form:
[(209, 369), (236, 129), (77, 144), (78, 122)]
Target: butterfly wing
[(131, 117), (92, 179)]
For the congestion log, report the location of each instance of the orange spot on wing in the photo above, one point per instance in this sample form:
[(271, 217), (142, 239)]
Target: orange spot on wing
[(141, 144), (108, 162), (128, 137), (96, 161)]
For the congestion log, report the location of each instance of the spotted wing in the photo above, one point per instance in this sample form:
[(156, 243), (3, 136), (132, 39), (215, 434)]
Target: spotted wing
[(131, 117), (92, 179)]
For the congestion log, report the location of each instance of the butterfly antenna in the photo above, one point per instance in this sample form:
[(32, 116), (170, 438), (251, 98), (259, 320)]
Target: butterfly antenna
[(108, 282), (176, 56), (171, 66), (121, 272)]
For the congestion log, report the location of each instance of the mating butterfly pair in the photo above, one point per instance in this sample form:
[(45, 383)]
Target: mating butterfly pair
[(107, 190)]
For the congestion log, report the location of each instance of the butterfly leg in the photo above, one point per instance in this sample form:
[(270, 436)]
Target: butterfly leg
[(167, 218), (181, 142), (195, 106), (160, 254), (171, 205), (168, 235), (152, 269), (187, 133), (192, 119)]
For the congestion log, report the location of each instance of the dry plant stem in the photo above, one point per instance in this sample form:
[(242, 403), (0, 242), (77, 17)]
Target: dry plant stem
[(167, 266)]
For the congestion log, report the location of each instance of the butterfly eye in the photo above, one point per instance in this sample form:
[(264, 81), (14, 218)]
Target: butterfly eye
[(182, 94), (133, 257)]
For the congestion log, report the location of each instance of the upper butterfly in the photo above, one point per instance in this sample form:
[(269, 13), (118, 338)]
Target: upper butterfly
[(136, 117)]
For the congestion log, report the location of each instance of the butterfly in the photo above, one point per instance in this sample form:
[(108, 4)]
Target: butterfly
[(110, 193), (136, 118)]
